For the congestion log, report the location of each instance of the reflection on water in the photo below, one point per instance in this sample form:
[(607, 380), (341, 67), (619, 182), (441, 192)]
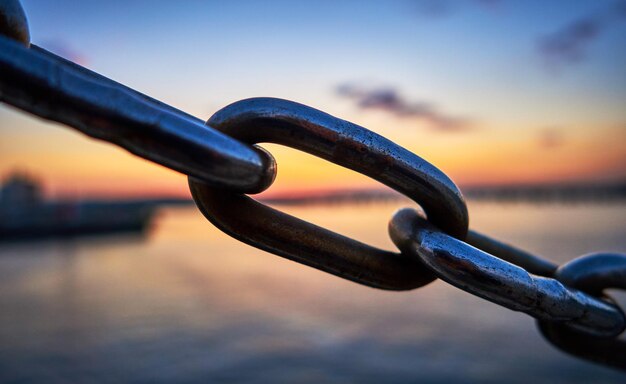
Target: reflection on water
[(190, 304)]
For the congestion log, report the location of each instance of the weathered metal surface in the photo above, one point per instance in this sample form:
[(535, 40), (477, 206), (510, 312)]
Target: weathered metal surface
[(514, 255), (301, 127), (351, 146), (50, 87), (592, 273), (13, 23), (501, 282)]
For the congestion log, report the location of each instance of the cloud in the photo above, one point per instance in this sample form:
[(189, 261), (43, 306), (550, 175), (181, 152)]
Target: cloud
[(569, 45), (390, 100), (64, 50), (550, 138)]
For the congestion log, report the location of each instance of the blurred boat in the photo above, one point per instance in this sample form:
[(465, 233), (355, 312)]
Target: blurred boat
[(25, 214)]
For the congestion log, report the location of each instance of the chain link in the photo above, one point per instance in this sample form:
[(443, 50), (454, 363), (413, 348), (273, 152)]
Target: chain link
[(501, 282), (50, 87), (222, 164), (349, 145), (591, 273)]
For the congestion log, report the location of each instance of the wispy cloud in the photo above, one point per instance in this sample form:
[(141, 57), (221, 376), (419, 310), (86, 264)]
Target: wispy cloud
[(390, 100), (570, 44)]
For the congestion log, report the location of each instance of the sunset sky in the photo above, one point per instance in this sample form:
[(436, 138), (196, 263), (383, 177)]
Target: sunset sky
[(490, 91)]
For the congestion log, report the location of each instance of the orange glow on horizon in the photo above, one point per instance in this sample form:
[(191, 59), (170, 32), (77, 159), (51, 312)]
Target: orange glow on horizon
[(70, 164)]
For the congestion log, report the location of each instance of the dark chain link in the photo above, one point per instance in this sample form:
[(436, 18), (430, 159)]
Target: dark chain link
[(349, 145), (53, 88), (221, 162), (501, 282), (591, 273)]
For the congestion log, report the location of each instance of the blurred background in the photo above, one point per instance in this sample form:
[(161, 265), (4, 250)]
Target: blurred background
[(521, 103)]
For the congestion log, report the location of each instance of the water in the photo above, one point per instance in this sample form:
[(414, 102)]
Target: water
[(189, 304)]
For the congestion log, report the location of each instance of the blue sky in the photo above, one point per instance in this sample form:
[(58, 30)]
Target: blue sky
[(243, 48)]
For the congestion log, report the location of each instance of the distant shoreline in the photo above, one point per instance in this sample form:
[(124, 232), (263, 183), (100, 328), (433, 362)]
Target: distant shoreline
[(535, 194), (564, 194)]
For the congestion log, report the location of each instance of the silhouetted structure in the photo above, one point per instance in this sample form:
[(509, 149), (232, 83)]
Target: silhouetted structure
[(24, 213)]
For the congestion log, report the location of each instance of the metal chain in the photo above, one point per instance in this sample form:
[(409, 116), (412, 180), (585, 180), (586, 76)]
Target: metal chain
[(222, 163), (501, 282), (298, 126), (592, 273), (39, 82)]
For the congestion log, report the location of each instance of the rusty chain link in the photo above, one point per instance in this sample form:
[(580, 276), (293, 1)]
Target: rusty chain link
[(222, 164)]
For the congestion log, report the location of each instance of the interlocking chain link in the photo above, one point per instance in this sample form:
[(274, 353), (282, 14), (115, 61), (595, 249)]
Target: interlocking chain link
[(501, 282), (591, 273), (349, 145), (222, 164)]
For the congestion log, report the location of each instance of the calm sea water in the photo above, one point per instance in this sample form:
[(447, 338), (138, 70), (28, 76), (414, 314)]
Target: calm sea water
[(188, 304)]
